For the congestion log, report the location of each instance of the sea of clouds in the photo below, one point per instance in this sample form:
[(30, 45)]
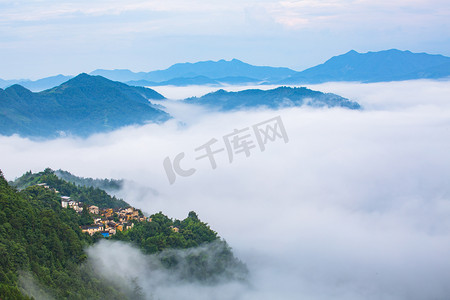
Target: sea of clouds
[(356, 205)]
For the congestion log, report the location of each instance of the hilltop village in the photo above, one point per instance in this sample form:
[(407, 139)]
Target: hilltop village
[(107, 221)]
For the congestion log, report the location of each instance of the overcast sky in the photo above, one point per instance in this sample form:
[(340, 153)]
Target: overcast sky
[(43, 38)]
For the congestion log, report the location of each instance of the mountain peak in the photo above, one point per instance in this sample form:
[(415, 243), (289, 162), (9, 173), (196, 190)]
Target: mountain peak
[(212, 69), (99, 83), (85, 76), (80, 106), (18, 90), (386, 65), (86, 79), (393, 50), (352, 52)]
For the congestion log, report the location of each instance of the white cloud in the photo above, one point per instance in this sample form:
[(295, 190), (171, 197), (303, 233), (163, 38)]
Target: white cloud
[(43, 10), (134, 270), (339, 15), (355, 206)]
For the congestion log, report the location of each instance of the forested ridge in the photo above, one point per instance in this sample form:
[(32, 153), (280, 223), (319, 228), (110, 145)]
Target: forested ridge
[(43, 242), (108, 185), (40, 237), (81, 106), (89, 195)]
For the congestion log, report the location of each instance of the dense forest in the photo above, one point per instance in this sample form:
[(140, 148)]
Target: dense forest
[(38, 236), (206, 265), (108, 185), (275, 98), (160, 233), (81, 106), (42, 242), (87, 194)]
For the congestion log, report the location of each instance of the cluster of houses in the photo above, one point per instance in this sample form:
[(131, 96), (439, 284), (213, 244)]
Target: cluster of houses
[(107, 221), (66, 202)]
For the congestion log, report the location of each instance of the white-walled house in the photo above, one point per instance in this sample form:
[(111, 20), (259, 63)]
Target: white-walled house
[(65, 201), (94, 209)]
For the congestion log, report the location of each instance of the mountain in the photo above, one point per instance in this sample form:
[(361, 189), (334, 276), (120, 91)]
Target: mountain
[(198, 80), (141, 83), (81, 106), (185, 81), (6, 83), (43, 249), (179, 81), (44, 83), (275, 98), (237, 80), (37, 85), (388, 65), (219, 69), (87, 194), (40, 242), (108, 185), (211, 69), (121, 75), (441, 71)]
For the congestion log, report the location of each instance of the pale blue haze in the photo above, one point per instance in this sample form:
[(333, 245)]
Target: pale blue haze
[(45, 38)]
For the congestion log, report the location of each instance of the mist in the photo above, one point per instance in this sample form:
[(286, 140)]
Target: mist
[(355, 205), (146, 277)]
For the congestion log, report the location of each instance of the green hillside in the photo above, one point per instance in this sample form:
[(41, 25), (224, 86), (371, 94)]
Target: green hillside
[(86, 194), (274, 98), (38, 236), (42, 242), (109, 185), (81, 106)]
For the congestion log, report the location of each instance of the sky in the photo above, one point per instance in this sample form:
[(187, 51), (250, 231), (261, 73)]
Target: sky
[(40, 38), (355, 205)]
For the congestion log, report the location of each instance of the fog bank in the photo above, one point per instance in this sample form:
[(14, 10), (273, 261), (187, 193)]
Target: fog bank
[(355, 206)]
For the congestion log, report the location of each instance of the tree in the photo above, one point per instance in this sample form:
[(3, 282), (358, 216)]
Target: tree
[(193, 215), (86, 218)]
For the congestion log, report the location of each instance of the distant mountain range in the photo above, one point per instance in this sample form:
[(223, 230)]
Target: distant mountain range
[(275, 98), (213, 70), (388, 65), (37, 85), (89, 104), (81, 106), (198, 80)]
